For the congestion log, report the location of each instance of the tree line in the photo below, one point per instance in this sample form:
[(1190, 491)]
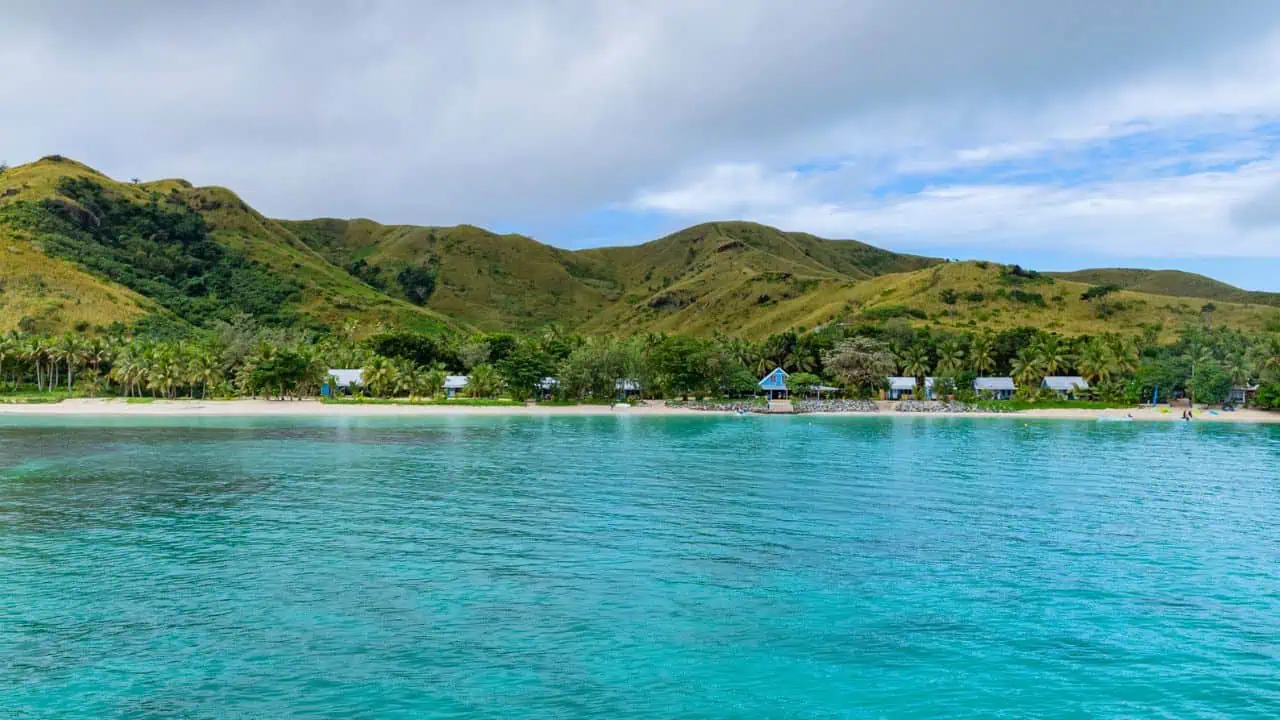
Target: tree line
[(244, 358)]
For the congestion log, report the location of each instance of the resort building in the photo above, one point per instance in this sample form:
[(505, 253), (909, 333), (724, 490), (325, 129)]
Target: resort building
[(454, 384), (998, 388), (627, 387), (341, 380), (900, 387), (1065, 385), (774, 384), (1242, 395)]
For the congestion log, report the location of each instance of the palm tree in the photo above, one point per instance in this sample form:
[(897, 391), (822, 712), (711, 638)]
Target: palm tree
[(1050, 354), (72, 352), (204, 369), (982, 354), (1026, 368), (1097, 361), (484, 381), (950, 358), (8, 349), (433, 381), (915, 363), (380, 376)]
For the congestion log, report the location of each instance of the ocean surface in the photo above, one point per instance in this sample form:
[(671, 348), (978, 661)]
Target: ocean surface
[(614, 567)]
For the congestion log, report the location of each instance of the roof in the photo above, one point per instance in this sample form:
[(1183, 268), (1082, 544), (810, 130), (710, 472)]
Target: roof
[(908, 383), (993, 383), (1065, 382), (627, 385), (775, 380), (345, 377), (456, 382)]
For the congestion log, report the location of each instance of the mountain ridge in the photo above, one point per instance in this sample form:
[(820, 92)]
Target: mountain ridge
[(84, 250)]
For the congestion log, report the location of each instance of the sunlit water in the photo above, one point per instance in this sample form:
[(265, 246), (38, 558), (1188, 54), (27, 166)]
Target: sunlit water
[(637, 567)]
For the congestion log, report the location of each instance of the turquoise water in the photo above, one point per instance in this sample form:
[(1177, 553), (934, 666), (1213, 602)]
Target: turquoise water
[(637, 567)]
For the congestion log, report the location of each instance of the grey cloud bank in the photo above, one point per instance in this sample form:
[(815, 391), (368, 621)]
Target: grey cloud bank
[(525, 112)]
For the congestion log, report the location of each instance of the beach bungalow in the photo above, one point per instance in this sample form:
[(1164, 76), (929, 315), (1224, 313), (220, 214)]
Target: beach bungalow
[(547, 387), (341, 380), (1242, 395), (627, 388), (999, 388), (454, 384), (900, 387), (1065, 385), (774, 384)]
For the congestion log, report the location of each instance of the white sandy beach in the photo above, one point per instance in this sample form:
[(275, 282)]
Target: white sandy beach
[(314, 408)]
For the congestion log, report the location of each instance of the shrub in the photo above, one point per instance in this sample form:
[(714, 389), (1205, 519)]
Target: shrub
[(1030, 298), (949, 296)]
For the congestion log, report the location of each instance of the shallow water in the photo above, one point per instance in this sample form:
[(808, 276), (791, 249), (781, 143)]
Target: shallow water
[(614, 567)]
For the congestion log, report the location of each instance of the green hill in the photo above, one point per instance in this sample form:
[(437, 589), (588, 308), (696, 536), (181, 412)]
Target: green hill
[(80, 250), (707, 277), (85, 250), (1175, 283)]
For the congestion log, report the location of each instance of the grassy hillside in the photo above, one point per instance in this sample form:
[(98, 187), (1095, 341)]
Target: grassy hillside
[(1170, 282), (972, 295), (79, 250), (708, 277), (128, 250), (492, 281)]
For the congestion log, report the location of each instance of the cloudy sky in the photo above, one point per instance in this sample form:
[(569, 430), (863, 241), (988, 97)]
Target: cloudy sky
[(1056, 134)]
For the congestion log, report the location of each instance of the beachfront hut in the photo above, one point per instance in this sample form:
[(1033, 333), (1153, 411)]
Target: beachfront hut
[(627, 388), (900, 387), (1000, 388), (1242, 395), (454, 384), (341, 380), (774, 384), (1065, 385), (547, 387)]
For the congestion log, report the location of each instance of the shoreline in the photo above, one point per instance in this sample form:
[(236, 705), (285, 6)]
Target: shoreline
[(116, 407)]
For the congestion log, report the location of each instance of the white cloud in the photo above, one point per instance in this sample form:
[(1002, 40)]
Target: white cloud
[(520, 113)]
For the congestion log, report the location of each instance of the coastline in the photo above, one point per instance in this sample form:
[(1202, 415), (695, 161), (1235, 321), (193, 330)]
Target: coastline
[(116, 407)]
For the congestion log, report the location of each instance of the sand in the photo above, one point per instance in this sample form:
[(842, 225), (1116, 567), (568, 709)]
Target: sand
[(314, 408)]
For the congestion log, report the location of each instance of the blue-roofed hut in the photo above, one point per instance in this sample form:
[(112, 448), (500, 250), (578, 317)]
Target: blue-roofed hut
[(774, 384)]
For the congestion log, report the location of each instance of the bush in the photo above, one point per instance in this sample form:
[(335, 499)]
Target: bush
[(1268, 396), (1030, 298), (949, 296)]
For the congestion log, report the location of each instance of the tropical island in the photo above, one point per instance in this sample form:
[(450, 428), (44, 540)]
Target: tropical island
[(151, 292)]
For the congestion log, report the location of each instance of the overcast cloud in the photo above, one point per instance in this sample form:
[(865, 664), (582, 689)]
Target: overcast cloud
[(1132, 129)]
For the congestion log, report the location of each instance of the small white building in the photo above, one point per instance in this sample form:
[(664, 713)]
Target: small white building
[(342, 379), (454, 384), (1000, 388), (900, 387), (1065, 385), (627, 387)]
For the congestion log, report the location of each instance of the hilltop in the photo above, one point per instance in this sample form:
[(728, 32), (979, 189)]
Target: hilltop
[(81, 250), (1174, 283)]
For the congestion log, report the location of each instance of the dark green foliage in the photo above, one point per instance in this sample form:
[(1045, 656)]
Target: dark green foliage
[(424, 350), (1268, 397), (501, 345), (1210, 383), (1030, 298), (524, 367), (975, 297), (886, 312), (1016, 275), (1098, 291), (161, 249), (680, 361), (949, 296), (417, 284), (277, 372), (370, 275)]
